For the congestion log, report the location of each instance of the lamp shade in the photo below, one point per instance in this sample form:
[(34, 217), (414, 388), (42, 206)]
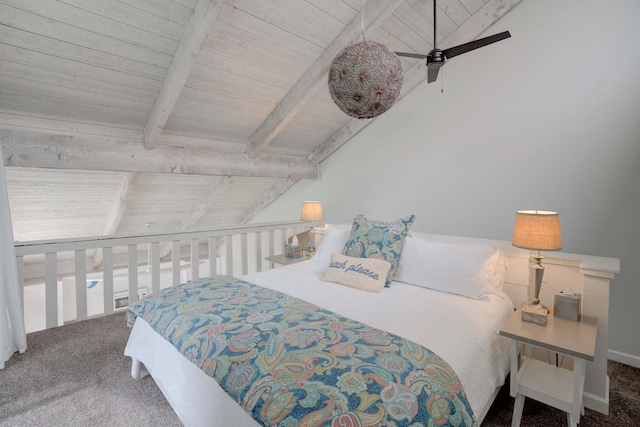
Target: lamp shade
[(537, 230), (311, 211)]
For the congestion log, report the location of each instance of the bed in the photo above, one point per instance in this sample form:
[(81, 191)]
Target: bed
[(426, 307)]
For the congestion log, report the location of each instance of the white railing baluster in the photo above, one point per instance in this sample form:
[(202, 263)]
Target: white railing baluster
[(155, 267), (51, 289), (107, 279), (81, 284), (213, 267), (130, 254), (20, 263), (243, 252), (258, 251), (271, 243), (229, 243), (133, 274), (175, 262), (195, 259), (283, 240)]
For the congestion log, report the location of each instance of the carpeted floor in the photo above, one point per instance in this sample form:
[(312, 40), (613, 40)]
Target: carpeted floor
[(77, 375), (624, 405)]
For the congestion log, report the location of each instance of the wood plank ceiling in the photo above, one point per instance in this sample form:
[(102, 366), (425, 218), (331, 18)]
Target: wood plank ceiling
[(185, 113)]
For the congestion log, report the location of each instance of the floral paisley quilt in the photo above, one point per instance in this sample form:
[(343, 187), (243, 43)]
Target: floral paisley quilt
[(290, 363)]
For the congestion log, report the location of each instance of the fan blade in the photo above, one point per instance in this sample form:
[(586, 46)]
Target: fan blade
[(432, 74), (464, 48), (411, 55)]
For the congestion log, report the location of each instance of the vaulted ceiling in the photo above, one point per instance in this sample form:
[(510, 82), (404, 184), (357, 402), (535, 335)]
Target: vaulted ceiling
[(186, 113)]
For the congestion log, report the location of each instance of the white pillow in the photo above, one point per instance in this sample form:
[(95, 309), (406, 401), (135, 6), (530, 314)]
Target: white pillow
[(367, 274), (333, 241), (500, 270), (468, 270)]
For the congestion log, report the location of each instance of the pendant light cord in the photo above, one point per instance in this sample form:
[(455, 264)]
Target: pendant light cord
[(435, 36), (362, 21)]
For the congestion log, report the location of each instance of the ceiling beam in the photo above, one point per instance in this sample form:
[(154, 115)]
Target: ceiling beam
[(119, 208), (202, 19), (258, 206), (276, 191), (270, 196), (471, 29), (214, 191), (375, 12), (85, 152), (211, 196)]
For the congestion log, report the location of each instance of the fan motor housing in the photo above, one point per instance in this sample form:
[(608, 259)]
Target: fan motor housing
[(436, 58)]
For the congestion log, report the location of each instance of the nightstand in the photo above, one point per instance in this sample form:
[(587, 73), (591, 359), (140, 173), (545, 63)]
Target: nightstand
[(283, 260), (544, 382)]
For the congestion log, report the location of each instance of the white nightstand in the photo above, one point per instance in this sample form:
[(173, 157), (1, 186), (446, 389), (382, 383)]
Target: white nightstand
[(544, 382), (283, 260)]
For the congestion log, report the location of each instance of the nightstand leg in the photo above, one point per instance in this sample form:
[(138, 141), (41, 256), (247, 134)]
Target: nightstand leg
[(514, 369), (518, 406), (578, 387)]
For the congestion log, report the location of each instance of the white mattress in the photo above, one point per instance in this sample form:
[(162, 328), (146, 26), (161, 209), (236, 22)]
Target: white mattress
[(462, 331)]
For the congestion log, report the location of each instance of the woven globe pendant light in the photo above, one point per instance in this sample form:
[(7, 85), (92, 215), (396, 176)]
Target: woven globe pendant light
[(365, 79)]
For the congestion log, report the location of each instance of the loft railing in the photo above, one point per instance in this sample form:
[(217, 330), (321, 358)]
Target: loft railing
[(233, 250)]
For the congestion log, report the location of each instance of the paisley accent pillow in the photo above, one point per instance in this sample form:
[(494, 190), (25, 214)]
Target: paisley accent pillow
[(367, 274), (378, 239)]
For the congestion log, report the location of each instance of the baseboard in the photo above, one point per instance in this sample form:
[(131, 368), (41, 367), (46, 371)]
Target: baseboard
[(597, 403), (627, 359)]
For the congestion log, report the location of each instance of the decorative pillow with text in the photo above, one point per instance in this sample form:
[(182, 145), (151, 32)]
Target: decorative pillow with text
[(367, 274), (378, 239)]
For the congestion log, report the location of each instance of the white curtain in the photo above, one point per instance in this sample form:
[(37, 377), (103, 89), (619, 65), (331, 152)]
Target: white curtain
[(12, 332)]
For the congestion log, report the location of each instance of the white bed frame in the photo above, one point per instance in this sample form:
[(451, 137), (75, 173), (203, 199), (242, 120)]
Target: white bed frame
[(588, 275)]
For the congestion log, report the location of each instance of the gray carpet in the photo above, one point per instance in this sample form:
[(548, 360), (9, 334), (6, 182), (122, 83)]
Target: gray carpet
[(77, 375), (624, 405)]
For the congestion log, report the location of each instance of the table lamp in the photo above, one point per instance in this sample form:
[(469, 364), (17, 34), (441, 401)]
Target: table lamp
[(539, 231), (311, 211)]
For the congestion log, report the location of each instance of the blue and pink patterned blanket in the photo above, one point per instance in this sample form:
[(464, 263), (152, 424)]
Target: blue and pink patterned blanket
[(290, 363)]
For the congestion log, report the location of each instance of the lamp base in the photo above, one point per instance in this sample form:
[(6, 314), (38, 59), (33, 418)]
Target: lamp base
[(535, 313), (312, 240)]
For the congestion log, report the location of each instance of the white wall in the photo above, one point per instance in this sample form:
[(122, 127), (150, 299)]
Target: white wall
[(548, 119)]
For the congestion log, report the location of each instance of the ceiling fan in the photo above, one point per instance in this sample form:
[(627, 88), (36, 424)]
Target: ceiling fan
[(436, 58)]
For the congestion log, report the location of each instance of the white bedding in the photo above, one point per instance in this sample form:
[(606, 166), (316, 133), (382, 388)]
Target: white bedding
[(462, 331)]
